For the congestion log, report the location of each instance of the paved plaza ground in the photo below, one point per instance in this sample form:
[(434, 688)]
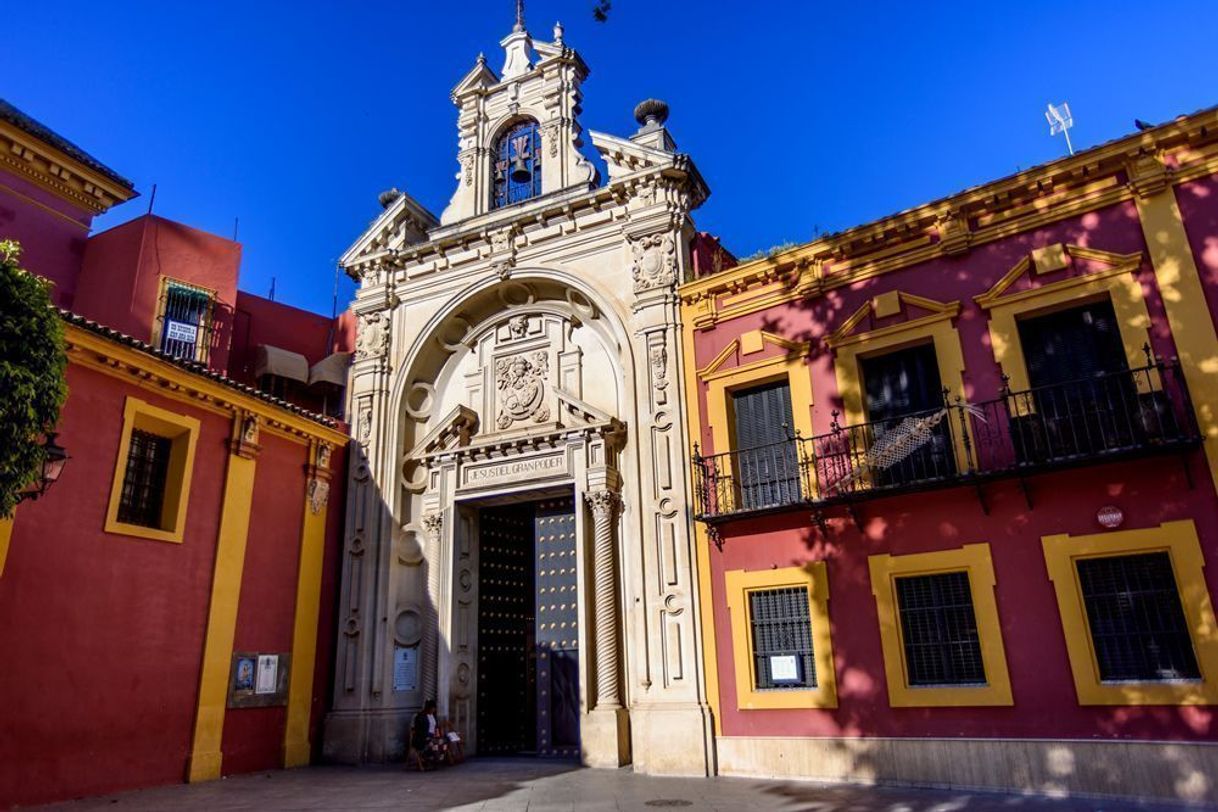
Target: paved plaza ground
[(518, 784)]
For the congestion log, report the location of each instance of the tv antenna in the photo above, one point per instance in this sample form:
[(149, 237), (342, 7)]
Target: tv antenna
[(1060, 121)]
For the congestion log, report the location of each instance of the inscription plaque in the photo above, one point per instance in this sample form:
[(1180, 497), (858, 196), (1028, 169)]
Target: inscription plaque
[(516, 470)]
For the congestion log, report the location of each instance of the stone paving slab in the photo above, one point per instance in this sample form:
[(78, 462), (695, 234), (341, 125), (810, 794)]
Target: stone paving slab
[(516, 785)]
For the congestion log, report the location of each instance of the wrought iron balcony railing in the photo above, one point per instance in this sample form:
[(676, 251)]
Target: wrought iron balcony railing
[(1128, 413)]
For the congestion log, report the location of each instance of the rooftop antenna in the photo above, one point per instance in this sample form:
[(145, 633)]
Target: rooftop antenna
[(1060, 121), (236, 222), (152, 198), (519, 26), (272, 296)]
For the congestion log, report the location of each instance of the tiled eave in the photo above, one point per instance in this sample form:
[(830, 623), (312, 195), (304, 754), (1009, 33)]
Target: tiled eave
[(96, 345)]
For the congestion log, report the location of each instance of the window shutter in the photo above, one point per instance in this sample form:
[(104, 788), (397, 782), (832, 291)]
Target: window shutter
[(1073, 344), (763, 415)]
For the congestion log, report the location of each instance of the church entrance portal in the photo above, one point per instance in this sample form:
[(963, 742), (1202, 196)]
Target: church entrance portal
[(528, 663)]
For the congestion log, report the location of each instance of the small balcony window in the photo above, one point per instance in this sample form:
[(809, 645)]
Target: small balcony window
[(185, 321)]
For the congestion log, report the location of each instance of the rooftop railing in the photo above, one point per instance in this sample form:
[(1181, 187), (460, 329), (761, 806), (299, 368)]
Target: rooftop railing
[(1122, 414)]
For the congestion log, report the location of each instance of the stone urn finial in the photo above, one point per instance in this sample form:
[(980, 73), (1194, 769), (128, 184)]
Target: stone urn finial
[(651, 113)]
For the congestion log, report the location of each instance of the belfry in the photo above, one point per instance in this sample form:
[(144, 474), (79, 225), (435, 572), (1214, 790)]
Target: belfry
[(517, 543)]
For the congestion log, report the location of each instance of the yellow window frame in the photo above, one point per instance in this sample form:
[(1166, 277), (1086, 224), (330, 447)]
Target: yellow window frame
[(936, 329), (1118, 284), (813, 576), (1179, 540), (183, 431), (720, 383), (975, 560)]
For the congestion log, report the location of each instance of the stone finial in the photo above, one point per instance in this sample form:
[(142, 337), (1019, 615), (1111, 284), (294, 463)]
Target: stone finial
[(558, 33), (651, 113), (388, 197)]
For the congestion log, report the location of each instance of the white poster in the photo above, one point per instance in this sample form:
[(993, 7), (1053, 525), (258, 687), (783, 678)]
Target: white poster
[(405, 668), (268, 674), (180, 331), (784, 668)]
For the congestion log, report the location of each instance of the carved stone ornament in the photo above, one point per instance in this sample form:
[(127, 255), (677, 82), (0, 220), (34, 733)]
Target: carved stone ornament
[(365, 425), (503, 269), (655, 261), (432, 522), (501, 240), (249, 430), (319, 494), (467, 160), (323, 456), (659, 366), (372, 339), (518, 326), (520, 381), (603, 504), (549, 134)]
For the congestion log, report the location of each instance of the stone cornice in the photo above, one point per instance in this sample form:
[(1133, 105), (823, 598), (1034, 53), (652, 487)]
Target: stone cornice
[(547, 218), (1182, 150)]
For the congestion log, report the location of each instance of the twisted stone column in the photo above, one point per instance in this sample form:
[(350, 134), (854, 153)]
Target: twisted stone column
[(432, 524), (604, 505)]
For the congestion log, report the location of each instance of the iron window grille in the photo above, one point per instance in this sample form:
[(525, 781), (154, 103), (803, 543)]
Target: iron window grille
[(939, 630), (186, 321), (782, 639), (1137, 624), (143, 494), (517, 168)]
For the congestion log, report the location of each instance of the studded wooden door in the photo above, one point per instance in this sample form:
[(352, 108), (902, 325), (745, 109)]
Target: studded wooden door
[(557, 641), (506, 682)]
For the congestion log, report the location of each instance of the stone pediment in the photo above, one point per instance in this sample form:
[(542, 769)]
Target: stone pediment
[(479, 78), (404, 222), (454, 431), (625, 157)]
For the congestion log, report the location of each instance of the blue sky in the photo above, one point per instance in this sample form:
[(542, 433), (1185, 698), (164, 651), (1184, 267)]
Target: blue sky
[(293, 116)]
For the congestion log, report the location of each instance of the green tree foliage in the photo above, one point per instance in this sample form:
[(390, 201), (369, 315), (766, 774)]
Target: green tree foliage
[(32, 367)]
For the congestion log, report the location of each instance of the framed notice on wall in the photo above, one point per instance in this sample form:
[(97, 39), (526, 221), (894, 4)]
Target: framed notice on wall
[(405, 668), (258, 680)]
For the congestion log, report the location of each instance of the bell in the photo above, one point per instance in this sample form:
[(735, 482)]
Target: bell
[(520, 170)]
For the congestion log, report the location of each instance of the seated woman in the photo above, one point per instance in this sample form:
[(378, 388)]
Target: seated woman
[(426, 736)]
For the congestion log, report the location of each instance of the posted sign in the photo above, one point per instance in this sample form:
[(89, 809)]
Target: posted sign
[(181, 331)]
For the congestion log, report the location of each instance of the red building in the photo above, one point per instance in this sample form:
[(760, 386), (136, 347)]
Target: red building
[(955, 476), (164, 609)]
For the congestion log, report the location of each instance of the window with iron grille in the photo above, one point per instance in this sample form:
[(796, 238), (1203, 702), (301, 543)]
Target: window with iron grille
[(186, 313), (939, 630), (1137, 625), (143, 493), (782, 638)]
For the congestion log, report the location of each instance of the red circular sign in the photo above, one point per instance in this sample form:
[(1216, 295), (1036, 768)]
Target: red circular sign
[(1110, 516)]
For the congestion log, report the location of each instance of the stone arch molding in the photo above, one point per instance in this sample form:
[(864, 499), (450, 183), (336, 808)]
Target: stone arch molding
[(551, 312)]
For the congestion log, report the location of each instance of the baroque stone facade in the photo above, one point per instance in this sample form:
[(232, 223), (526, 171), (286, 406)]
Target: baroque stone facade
[(520, 353)]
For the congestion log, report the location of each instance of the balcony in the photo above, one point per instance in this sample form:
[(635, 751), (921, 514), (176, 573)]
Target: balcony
[(1126, 414)]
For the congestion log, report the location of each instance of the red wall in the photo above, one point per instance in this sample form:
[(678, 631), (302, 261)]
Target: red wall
[(253, 737), (1149, 492), (262, 321), (104, 633), (121, 277), (52, 233)]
